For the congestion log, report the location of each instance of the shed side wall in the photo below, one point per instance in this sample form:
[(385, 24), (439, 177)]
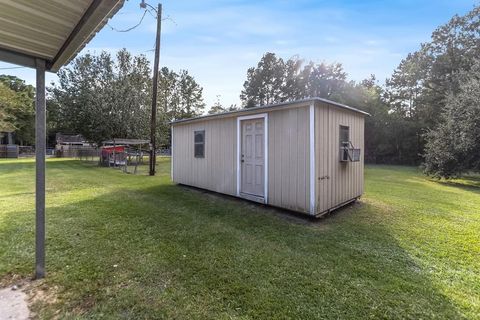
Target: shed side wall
[(288, 169), (342, 181), (288, 156), (215, 172)]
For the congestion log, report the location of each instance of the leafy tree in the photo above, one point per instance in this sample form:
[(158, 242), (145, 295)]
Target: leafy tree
[(324, 80), (453, 147), (275, 80), (233, 107), (217, 107), (7, 104), (103, 98), (292, 88), (419, 88), (293, 80), (264, 84), (179, 97), (17, 108), (368, 95), (190, 96)]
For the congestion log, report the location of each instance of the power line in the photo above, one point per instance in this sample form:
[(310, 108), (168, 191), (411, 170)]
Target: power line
[(131, 28), (10, 68), (154, 16), (168, 17), (171, 20)]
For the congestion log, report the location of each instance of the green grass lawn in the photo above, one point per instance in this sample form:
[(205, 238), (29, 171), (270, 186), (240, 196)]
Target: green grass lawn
[(125, 246)]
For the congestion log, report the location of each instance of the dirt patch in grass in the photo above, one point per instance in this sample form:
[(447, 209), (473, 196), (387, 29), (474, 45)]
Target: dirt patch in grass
[(12, 279), (41, 295), (37, 294)]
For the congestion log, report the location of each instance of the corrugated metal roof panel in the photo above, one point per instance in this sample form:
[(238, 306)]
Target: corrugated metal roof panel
[(24, 22), (54, 30)]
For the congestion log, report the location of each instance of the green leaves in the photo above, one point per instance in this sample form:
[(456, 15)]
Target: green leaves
[(453, 146), (425, 82), (103, 97), (179, 97), (275, 80), (17, 108)]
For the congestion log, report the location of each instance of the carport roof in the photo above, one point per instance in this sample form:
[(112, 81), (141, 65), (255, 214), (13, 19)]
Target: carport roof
[(51, 30)]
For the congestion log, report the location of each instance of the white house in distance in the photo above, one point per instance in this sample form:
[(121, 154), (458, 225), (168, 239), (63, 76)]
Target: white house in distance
[(66, 141), (304, 155)]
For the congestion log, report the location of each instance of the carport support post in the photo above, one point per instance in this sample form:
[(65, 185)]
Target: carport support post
[(40, 146)]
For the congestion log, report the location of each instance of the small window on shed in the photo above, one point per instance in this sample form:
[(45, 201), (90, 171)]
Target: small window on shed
[(344, 136), (199, 142), (344, 143)]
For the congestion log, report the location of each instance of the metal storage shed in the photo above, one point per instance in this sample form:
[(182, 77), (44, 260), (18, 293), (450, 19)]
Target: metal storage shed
[(45, 35), (304, 156)]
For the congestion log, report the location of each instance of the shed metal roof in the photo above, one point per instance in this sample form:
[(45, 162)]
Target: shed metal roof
[(52, 30), (68, 138), (271, 106), (127, 141)]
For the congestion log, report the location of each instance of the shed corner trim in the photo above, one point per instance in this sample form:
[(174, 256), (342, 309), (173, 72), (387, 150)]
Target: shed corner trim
[(312, 157), (171, 154)]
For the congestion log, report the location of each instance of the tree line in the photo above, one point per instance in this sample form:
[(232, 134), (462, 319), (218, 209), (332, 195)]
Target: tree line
[(101, 97), (427, 112), (104, 98)]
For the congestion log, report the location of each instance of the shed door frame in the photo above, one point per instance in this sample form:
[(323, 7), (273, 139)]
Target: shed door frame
[(239, 151)]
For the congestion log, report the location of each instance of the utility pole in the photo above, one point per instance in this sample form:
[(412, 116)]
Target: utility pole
[(153, 120)]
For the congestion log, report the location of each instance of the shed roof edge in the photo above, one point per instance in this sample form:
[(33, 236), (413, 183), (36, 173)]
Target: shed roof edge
[(270, 106)]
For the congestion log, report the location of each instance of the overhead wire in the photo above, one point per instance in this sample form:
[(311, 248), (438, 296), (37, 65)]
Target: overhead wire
[(141, 20), (131, 28), (9, 68), (147, 9)]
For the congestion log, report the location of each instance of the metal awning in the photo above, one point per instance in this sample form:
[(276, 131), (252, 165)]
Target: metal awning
[(52, 30), (45, 35)]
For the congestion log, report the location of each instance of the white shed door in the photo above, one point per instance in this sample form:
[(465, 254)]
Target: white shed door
[(253, 157)]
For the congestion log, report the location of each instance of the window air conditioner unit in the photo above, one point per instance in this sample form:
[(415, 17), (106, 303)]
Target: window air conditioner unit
[(348, 153)]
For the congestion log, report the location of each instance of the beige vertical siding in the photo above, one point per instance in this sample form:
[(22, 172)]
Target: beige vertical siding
[(345, 179), (288, 170), (288, 156), (322, 166), (217, 171)]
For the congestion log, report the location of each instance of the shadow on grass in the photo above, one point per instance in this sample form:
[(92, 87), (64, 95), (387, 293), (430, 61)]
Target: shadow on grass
[(172, 252), (285, 214), (468, 183)]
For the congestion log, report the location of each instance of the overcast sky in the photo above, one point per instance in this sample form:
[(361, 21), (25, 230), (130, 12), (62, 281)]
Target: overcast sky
[(217, 40)]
